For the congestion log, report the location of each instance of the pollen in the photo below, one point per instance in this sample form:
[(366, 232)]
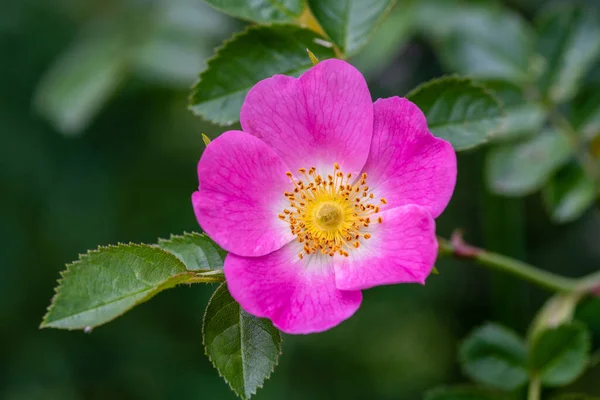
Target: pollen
[(330, 214)]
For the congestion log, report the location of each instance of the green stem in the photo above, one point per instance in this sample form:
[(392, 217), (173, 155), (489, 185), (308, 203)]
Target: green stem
[(589, 282), (545, 279), (535, 389)]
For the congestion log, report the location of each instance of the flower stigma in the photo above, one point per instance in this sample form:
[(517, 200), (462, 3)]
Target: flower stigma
[(330, 215)]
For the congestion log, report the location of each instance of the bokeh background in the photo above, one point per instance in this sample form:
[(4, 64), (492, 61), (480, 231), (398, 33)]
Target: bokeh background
[(97, 147)]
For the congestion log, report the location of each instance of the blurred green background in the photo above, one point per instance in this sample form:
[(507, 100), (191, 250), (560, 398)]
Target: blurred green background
[(98, 147)]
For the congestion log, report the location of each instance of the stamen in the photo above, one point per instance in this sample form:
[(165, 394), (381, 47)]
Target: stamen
[(328, 215)]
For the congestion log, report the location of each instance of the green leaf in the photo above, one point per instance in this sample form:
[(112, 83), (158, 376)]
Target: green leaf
[(105, 283), (350, 23), (261, 11), (463, 393), (569, 194), (585, 112), (458, 110), (568, 40), (253, 55), (523, 117), (243, 348), (81, 81), (495, 356), (588, 312), (481, 40), (196, 251), (387, 41), (560, 355), (522, 168)]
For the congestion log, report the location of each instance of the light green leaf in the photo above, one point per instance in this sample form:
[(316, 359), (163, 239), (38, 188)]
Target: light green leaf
[(569, 43), (560, 355), (523, 117), (522, 168), (350, 23), (481, 40), (81, 81), (243, 348), (196, 251), (258, 53), (495, 356), (105, 283), (458, 110), (261, 11), (463, 393), (585, 112), (569, 194)]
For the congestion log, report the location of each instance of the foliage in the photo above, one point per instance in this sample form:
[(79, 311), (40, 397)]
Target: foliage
[(520, 91)]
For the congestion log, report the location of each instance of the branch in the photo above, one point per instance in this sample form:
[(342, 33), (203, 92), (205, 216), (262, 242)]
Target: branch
[(458, 248)]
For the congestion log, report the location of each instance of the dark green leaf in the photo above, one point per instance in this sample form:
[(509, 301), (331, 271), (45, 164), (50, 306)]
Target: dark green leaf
[(256, 54), (196, 251), (480, 40), (558, 356), (81, 81), (569, 43), (585, 115), (521, 168), (243, 348), (262, 11), (569, 194), (458, 110), (495, 356), (463, 393), (105, 283), (523, 117), (350, 23), (589, 313)]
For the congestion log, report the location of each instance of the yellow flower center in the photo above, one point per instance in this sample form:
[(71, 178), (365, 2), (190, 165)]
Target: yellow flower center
[(330, 215)]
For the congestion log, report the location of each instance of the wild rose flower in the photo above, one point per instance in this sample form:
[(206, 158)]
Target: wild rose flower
[(323, 194)]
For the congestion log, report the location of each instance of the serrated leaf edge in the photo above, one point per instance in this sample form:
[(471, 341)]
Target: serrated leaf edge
[(66, 272), (190, 235), (475, 84), (218, 53), (282, 9), (242, 396)]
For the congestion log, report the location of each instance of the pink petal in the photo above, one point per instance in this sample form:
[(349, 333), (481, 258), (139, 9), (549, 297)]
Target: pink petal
[(299, 296), (323, 117), (407, 164), (241, 192), (402, 249)]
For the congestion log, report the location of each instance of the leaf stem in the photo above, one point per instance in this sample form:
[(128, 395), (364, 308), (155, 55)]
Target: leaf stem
[(535, 389)]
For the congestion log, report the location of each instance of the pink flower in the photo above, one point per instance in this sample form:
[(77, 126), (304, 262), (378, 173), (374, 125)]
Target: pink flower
[(322, 195)]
